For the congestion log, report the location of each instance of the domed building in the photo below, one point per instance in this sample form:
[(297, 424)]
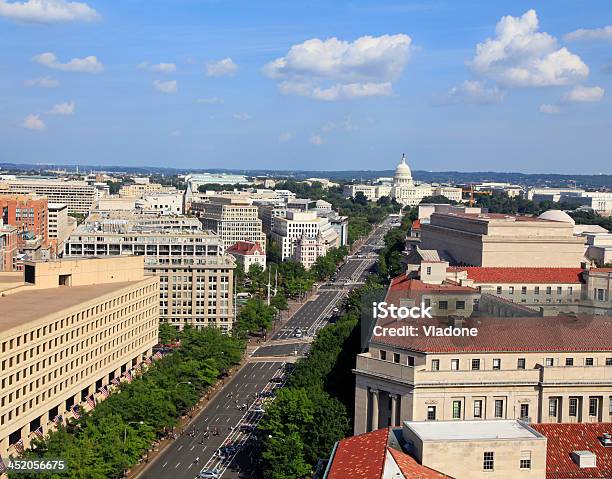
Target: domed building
[(557, 215), (403, 188)]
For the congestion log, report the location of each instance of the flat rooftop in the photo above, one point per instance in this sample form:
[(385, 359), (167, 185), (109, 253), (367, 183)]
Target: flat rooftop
[(34, 304), (471, 430)]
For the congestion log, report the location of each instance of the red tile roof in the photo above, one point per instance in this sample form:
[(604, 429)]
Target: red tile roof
[(360, 457), (364, 456), (559, 333), (245, 248), (521, 275), (563, 439), (403, 287), (416, 225)]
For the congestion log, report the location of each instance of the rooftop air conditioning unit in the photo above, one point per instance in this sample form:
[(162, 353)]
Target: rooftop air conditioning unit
[(584, 459), (606, 439)]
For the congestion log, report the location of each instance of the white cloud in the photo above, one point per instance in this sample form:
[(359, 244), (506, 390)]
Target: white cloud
[(225, 67), (88, 64), (521, 56), (242, 116), (44, 82), (604, 33), (33, 122), (550, 109), (583, 94), (335, 69), (474, 93), (48, 11), (176, 133), (63, 109), (158, 67), (285, 137), (170, 86), (316, 140), (213, 100)]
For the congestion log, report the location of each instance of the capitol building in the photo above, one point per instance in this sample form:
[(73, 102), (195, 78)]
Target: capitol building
[(402, 188)]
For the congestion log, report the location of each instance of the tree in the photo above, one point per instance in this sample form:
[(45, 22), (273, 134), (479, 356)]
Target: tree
[(255, 315), (360, 199), (168, 333), (279, 302)]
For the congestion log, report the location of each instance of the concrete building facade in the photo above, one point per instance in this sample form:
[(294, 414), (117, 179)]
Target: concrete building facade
[(71, 328)]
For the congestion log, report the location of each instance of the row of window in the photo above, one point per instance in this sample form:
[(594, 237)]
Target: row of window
[(488, 460), (536, 290)]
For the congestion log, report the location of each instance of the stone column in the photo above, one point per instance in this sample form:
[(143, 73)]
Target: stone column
[(374, 393), (584, 414), (393, 409)]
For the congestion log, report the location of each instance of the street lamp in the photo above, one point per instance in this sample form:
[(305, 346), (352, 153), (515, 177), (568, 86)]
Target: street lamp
[(125, 431)]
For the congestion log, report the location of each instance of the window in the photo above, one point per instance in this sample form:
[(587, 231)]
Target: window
[(520, 363), (454, 365), (600, 294), (548, 290), (456, 409), (610, 406), (496, 363), (569, 361), (410, 360), (608, 361), (553, 404), (435, 364), (524, 290), (431, 413), (478, 408), (570, 290), (396, 357), (499, 408), (443, 304), (593, 407), (427, 303), (524, 411), (499, 290), (460, 305), (525, 461), (573, 407), (588, 361), (536, 290), (550, 362), (511, 290), (475, 364), (383, 355), (488, 461), (429, 270)]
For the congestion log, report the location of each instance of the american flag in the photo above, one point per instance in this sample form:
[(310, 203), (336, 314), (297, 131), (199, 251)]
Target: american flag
[(116, 381), (91, 401), (128, 376), (104, 391), (3, 467), (75, 411), (157, 355), (19, 446), (136, 368), (148, 361), (57, 420), (39, 433)]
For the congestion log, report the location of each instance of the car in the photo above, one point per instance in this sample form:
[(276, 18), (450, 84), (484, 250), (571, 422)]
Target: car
[(276, 379), (258, 410), (208, 474), (297, 333)]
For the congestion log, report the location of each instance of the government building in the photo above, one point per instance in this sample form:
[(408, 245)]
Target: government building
[(403, 188), (68, 328)]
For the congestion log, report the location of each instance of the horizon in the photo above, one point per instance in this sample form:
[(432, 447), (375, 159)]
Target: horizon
[(222, 84)]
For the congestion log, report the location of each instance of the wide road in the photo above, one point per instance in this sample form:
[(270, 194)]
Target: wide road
[(177, 461), (265, 363)]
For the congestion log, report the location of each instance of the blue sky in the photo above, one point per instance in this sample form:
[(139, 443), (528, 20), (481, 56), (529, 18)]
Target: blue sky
[(263, 84)]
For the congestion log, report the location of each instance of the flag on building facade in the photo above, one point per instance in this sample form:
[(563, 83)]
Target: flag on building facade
[(116, 381), (157, 355), (39, 432), (148, 361), (91, 401), (75, 411), (128, 376), (19, 446), (57, 420), (104, 391), (3, 467)]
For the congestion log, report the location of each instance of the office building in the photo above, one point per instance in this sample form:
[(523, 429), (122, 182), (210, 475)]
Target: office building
[(197, 180), (9, 239), (28, 213), (69, 328), (234, 219), (538, 369), (289, 232), (492, 239), (77, 195), (268, 212), (196, 277)]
